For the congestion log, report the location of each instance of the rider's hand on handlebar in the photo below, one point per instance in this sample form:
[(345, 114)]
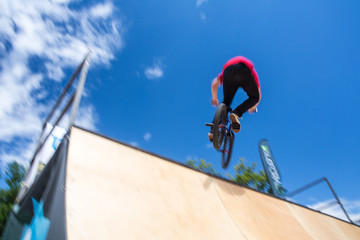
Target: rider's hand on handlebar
[(214, 102)]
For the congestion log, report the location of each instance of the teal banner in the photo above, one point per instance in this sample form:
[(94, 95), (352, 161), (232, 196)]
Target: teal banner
[(271, 168)]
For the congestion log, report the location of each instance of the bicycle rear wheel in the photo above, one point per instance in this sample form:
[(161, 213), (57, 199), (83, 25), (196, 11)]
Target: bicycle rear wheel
[(227, 150), (219, 127)]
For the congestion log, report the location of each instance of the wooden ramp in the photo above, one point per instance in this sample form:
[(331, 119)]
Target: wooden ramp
[(114, 191)]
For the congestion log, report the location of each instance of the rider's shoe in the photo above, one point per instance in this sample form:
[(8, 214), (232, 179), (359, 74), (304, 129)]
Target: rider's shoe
[(210, 135), (235, 123)]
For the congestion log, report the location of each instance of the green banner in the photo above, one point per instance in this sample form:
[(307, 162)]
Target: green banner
[(271, 168)]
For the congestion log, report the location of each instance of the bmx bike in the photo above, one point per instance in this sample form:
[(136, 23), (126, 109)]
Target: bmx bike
[(223, 136)]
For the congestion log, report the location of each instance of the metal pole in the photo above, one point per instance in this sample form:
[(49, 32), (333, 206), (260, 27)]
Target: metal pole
[(338, 200), (79, 90), (66, 89), (304, 188)]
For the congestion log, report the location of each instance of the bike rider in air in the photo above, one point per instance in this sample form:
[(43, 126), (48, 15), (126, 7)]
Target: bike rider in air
[(238, 72)]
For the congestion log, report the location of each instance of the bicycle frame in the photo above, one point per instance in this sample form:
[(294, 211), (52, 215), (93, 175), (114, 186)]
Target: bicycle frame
[(227, 124), (224, 144)]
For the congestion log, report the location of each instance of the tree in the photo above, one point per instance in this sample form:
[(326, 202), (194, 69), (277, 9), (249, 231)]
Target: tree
[(246, 175), (202, 166), (14, 175)]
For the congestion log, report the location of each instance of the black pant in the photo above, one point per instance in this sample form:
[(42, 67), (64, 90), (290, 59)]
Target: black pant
[(239, 76)]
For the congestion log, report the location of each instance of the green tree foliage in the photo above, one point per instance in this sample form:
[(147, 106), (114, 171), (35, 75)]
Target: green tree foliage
[(14, 175), (202, 166), (247, 176)]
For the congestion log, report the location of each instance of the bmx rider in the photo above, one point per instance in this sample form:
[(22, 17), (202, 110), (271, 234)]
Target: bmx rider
[(238, 72)]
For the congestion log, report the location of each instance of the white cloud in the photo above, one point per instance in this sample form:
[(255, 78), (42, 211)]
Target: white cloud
[(147, 136), (54, 72), (2, 48), (352, 207), (155, 71), (200, 2), (39, 39), (102, 10), (134, 144), (192, 157), (21, 157), (86, 118), (203, 16)]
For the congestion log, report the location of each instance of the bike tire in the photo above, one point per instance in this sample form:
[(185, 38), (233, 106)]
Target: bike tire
[(219, 120), (227, 150)]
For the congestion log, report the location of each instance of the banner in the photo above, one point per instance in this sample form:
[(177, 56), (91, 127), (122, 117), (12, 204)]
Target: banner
[(271, 169), (40, 214), (46, 152)]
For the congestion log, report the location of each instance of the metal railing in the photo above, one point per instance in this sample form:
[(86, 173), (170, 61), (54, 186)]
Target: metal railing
[(337, 201)]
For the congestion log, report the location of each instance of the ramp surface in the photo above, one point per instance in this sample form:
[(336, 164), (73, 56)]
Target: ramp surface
[(114, 191)]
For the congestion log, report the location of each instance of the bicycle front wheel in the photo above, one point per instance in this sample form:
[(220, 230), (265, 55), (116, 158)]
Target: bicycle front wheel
[(219, 127), (227, 150)]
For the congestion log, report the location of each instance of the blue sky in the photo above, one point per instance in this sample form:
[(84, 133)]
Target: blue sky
[(151, 69)]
